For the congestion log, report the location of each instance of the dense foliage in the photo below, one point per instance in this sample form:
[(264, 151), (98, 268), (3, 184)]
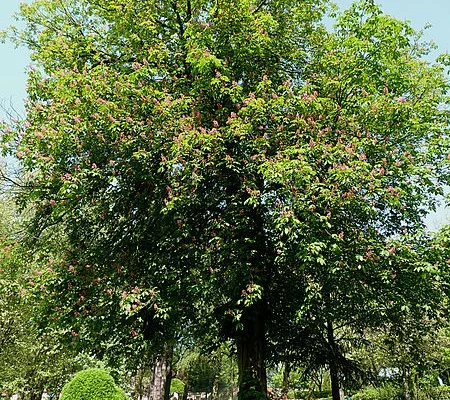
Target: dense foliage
[(29, 361), (234, 169)]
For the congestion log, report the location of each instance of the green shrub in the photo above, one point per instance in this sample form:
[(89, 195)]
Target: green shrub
[(434, 393), (92, 384), (300, 394), (384, 392), (176, 385), (441, 392)]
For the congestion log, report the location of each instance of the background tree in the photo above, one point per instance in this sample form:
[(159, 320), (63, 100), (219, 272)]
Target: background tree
[(362, 192), (213, 372), (29, 364)]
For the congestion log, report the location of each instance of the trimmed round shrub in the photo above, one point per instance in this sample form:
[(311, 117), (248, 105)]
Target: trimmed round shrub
[(92, 384)]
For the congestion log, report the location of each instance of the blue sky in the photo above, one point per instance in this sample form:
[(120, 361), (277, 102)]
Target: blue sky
[(14, 61), (419, 12)]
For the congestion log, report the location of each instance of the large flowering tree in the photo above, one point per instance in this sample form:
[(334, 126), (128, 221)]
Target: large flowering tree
[(229, 164)]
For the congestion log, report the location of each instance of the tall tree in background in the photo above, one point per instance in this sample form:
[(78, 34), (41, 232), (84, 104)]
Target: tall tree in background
[(30, 362), (230, 164), (367, 82)]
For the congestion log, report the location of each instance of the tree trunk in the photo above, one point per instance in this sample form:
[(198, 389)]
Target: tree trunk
[(337, 392), (319, 380), (406, 385), (311, 386), (251, 355), (138, 387), (185, 391), (286, 372), (161, 376), (215, 389)]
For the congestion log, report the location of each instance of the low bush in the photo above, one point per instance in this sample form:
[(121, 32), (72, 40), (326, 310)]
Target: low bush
[(384, 392), (176, 386), (92, 384), (434, 393), (300, 394)]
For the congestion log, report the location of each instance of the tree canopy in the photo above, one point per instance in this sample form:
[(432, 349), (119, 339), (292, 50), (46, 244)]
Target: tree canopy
[(232, 165)]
